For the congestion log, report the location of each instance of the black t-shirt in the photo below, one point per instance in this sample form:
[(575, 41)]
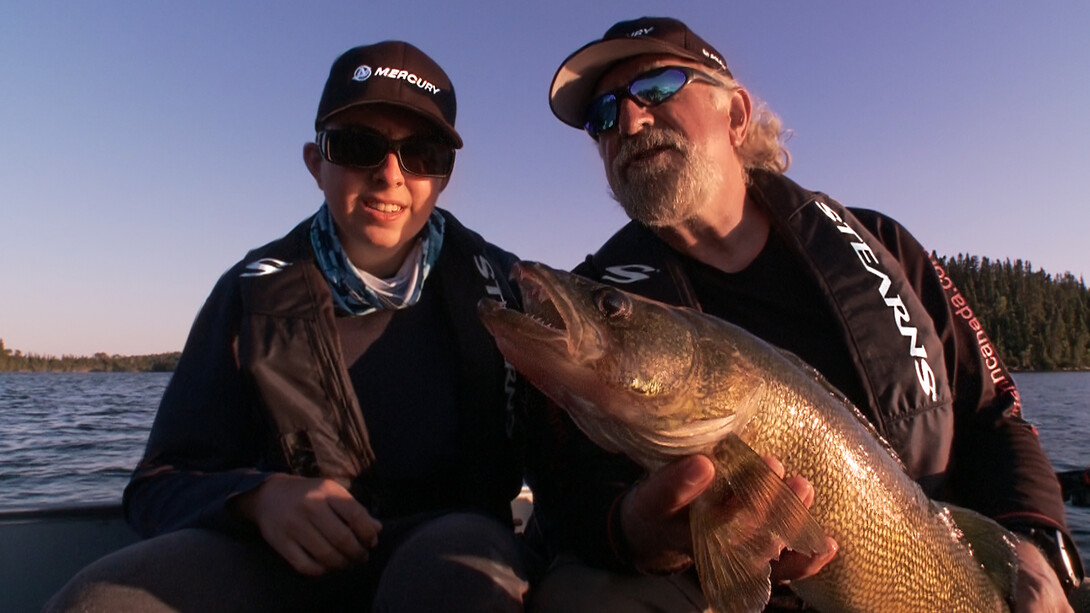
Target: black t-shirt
[(403, 367), (773, 299)]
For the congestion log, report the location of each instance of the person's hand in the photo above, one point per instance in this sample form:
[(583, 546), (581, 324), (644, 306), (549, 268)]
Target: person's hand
[(1038, 588), (314, 524), (792, 565), (655, 519), (655, 513)]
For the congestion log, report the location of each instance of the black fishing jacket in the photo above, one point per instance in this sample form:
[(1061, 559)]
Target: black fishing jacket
[(262, 387), (930, 379)]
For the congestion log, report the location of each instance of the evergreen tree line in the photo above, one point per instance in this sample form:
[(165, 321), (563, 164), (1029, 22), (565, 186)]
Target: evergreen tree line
[(1037, 321), (17, 361)]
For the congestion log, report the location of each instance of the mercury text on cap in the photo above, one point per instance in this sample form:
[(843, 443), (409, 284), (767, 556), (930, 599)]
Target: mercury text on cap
[(397, 73)]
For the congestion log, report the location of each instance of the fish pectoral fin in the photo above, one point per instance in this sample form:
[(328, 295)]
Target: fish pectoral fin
[(742, 523)]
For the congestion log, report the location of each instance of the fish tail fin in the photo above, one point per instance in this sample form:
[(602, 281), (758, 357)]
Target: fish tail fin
[(991, 544), (740, 525)]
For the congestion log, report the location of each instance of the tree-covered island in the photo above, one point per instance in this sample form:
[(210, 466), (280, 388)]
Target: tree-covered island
[(17, 361)]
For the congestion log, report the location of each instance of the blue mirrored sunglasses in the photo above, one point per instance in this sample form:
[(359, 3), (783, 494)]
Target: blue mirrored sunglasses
[(648, 89)]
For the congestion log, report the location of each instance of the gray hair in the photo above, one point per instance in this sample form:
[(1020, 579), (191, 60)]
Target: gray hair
[(764, 146)]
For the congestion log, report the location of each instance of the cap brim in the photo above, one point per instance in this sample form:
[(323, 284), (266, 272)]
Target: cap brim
[(577, 77), (448, 131)]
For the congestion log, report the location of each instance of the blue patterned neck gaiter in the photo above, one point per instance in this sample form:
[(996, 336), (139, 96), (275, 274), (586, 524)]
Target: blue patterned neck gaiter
[(350, 293)]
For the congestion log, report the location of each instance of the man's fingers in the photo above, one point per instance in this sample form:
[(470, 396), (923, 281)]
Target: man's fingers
[(798, 484), (793, 566), (775, 464), (657, 527), (654, 513), (671, 488), (802, 489)]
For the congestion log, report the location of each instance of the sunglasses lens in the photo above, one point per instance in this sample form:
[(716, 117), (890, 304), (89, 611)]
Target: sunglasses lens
[(648, 89), (355, 148), (601, 115), (366, 149), (427, 157), (656, 87)]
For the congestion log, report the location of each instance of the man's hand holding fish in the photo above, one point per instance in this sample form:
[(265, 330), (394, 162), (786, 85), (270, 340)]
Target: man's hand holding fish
[(655, 519)]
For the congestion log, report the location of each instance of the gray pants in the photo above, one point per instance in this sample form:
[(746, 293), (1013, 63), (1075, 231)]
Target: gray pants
[(457, 562), (570, 586)]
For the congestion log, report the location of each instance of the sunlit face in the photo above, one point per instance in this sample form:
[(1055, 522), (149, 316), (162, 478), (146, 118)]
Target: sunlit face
[(664, 162), (378, 211)]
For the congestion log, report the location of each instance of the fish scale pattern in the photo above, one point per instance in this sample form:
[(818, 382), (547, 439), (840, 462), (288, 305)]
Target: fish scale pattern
[(899, 551)]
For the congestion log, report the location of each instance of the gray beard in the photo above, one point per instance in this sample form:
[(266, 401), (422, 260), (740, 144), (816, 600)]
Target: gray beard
[(664, 195)]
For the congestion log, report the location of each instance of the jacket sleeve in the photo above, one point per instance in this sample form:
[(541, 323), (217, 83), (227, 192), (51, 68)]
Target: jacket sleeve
[(205, 441), (998, 466), (577, 485)]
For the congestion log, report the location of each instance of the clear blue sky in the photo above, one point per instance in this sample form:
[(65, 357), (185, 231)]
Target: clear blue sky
[(147, 145)]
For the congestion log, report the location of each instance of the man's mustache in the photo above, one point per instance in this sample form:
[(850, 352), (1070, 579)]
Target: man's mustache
[(645, 141)]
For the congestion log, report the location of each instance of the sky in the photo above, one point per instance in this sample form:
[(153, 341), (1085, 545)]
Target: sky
[(147, 145)]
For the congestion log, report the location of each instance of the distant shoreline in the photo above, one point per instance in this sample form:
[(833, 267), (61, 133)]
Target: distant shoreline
[(17, 361), (83, 372)]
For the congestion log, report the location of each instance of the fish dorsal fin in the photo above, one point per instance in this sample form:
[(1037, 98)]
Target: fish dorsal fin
[(991, 544), (740, 524)]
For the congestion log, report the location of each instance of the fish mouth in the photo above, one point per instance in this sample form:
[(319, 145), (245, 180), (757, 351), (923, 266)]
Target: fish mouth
[(549, 318)]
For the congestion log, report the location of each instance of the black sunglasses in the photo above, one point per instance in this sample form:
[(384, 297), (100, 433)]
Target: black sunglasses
[(361, 148), (648, 89)]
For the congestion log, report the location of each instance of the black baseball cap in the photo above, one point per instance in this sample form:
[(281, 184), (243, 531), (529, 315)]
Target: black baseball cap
[(577, 77), (390, 72)]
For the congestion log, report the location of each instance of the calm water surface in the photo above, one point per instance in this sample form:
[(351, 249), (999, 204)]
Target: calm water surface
[(1058, 404), (74, 438)]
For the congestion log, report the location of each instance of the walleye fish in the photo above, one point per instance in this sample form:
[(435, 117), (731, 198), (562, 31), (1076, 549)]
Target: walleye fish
[(658, 382)]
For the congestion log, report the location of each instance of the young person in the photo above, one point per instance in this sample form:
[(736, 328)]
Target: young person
[(338, 432)]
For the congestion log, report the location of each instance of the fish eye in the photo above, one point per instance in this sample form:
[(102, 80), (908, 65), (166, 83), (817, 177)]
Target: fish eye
[(613, 303)]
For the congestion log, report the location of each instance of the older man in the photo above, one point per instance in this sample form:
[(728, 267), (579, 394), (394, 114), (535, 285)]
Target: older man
[(698, 167)]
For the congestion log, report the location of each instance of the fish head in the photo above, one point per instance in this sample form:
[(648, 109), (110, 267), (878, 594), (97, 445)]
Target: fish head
[(605, 355)]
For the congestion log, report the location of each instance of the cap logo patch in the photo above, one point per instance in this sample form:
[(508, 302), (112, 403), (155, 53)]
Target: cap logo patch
[(641, 32), (362, 73), (711, 56), (408, 77)]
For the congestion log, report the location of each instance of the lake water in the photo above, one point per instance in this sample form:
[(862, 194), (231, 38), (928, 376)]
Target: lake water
[(74, 438)]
